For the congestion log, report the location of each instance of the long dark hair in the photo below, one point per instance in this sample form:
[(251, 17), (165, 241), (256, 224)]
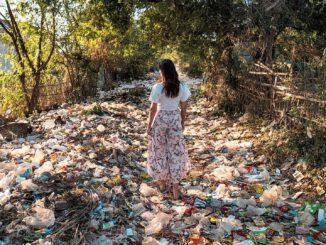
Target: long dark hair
[(170, 79)]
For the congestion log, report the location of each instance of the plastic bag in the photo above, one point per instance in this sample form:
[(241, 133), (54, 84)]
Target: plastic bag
[(255, 211), (21, 152), (59, 148), (38, 156), (221, 191), (224, 172), (156, 222), (178, 227), (29, 185), (230, 223), (7, 180), (306, 219), (312, 207), (242, 203), (150, 241), (275, 226), (46, 167), (4, 197), (24, 170), (242, 168), (42, 218), (7, 166), (147, 190), (100, 128), (103, 240), (138, 209), (270, 197), (264, 175), (232, 145), (180, 210), (48, 124)]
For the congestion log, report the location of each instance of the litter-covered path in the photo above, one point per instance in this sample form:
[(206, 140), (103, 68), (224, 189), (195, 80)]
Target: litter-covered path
[(80, 178)]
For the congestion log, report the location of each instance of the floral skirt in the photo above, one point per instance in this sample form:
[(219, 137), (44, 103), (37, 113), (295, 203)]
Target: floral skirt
[(167, 155)]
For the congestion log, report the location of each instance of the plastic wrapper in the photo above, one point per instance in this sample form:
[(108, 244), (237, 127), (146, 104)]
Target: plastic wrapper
[(258, 235), (245, 242), (321, 216), (103, 240)]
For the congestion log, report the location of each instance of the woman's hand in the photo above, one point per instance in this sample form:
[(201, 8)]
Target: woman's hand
[(183, 107), (152, 113), (149, 131)]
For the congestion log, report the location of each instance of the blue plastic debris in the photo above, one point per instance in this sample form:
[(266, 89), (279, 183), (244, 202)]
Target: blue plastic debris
[(26, 173)]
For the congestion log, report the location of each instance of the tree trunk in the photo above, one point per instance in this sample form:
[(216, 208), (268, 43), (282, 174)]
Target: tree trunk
[(293, 61), (33, 103), (22, 79), (269, 40)]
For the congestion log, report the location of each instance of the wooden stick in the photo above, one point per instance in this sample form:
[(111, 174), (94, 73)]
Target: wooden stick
[(268, 73), (281, 89), (299, 97), (302, 117)]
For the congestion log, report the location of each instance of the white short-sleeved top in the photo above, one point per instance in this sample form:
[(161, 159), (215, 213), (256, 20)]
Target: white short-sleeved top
[(167, 103)]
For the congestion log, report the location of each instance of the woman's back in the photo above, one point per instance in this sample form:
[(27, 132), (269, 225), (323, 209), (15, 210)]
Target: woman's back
[(167, 103)]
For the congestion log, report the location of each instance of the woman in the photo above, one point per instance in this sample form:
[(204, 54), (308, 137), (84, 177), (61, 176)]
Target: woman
[(167, 156)]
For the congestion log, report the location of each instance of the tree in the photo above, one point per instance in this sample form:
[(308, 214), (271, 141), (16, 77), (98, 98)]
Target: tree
[(199, 30), (33, 42), (102, 36)]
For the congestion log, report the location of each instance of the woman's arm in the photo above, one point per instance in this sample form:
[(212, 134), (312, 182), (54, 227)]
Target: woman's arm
[(152, 112), (183, 106)]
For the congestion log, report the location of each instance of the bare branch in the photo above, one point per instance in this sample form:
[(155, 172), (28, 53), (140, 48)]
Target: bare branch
[(19, 37), (39, 56), (3, 25), (13, 37), (5, 19), (45, 63)]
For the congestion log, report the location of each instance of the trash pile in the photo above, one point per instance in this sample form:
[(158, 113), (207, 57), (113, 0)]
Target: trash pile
[(80, 178)]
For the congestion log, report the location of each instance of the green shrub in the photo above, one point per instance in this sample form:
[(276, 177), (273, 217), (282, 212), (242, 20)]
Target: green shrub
[(96, 110)]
